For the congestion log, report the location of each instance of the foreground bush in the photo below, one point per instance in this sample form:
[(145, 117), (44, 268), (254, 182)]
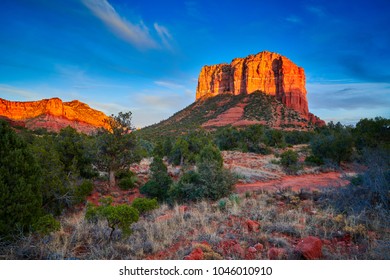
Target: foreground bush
[(117, 217), (144, 204), (209, 182)]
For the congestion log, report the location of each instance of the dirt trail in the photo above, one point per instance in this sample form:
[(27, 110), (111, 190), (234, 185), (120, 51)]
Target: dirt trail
[(309, 181)]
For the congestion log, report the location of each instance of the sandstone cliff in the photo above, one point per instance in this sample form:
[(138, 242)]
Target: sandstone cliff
[(53, 114), (268, 72)]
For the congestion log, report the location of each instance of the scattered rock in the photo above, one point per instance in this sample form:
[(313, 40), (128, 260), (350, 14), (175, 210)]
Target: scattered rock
[(276, 253), (259, 247), (196, 254), (310, 248), (252, 226)]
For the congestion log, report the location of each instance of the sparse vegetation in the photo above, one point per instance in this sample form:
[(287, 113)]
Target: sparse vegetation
[(195, 213)]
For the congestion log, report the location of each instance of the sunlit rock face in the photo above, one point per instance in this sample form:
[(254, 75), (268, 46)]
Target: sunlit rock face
[(268, 72), (53, 114)]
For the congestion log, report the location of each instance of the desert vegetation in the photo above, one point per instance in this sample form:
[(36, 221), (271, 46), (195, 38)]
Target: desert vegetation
[(62, 194)]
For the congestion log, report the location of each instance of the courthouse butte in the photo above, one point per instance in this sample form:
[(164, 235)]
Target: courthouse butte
[(267, 72)]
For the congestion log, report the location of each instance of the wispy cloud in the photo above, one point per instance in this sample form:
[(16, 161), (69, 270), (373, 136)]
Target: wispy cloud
[(349, 96), (165, 36), (316, 10), (136, 34), (169, 85), (108, 108), (10, 91), (293, 19)]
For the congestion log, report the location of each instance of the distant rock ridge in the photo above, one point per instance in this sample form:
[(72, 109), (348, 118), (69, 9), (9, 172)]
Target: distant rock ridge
[(53, 114), (268, 72)]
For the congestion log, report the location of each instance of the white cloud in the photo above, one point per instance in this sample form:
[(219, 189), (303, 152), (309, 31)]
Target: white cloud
[(136, 34), (293, 19), (12, 93), (349, 102), (164, 35), (169, 85)]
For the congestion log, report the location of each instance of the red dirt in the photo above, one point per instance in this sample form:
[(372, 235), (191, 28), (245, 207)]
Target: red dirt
[(309, 181)]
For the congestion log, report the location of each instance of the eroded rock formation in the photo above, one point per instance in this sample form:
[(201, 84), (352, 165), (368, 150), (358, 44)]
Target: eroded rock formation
[(53, 114), (268, 72)]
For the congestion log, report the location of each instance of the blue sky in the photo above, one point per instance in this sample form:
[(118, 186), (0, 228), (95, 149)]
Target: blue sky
[(145, 56)]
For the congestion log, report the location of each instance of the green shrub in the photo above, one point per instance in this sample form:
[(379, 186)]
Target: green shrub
[(46, 224), (209, 182), (123, 173), (289, 158), (127, 183), (117, 217), (159, 182), (120, 216), (335, 146), (222, 204), (82, 191), (144, 204), (313, 160), (20, 184)]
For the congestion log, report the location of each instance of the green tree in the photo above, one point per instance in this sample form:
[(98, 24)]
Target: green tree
[(117, 147), (75, 152), (20, 183), (336, 146), (372, 133), (210, 153), (159, 182), (180, 151)]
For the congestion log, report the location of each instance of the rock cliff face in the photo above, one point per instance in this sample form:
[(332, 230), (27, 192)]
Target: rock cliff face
[(268, 72), (53, 114)]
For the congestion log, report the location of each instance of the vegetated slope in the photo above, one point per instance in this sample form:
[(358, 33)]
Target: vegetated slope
[(227, 109)]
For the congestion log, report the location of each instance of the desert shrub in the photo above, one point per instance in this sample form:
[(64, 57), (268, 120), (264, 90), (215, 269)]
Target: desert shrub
[(368, 196), (160, 181), (144, 204), (46, 224), (227, 138), (127, 179), (334, 146), (82, 191), (210, 153), (209, 182), (222, 204), (289, 158), (117, 217), (127, 183), (372, 133), (313, 160), (296, 137), (274, 138)]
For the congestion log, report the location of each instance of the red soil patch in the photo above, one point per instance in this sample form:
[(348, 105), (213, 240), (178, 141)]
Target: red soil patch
[(296, 183), (230, 116)]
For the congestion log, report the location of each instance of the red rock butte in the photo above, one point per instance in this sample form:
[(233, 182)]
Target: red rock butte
[(53, 114), (268, 72)]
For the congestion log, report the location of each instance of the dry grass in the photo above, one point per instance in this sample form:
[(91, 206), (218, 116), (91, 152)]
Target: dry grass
[(285, 218)]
